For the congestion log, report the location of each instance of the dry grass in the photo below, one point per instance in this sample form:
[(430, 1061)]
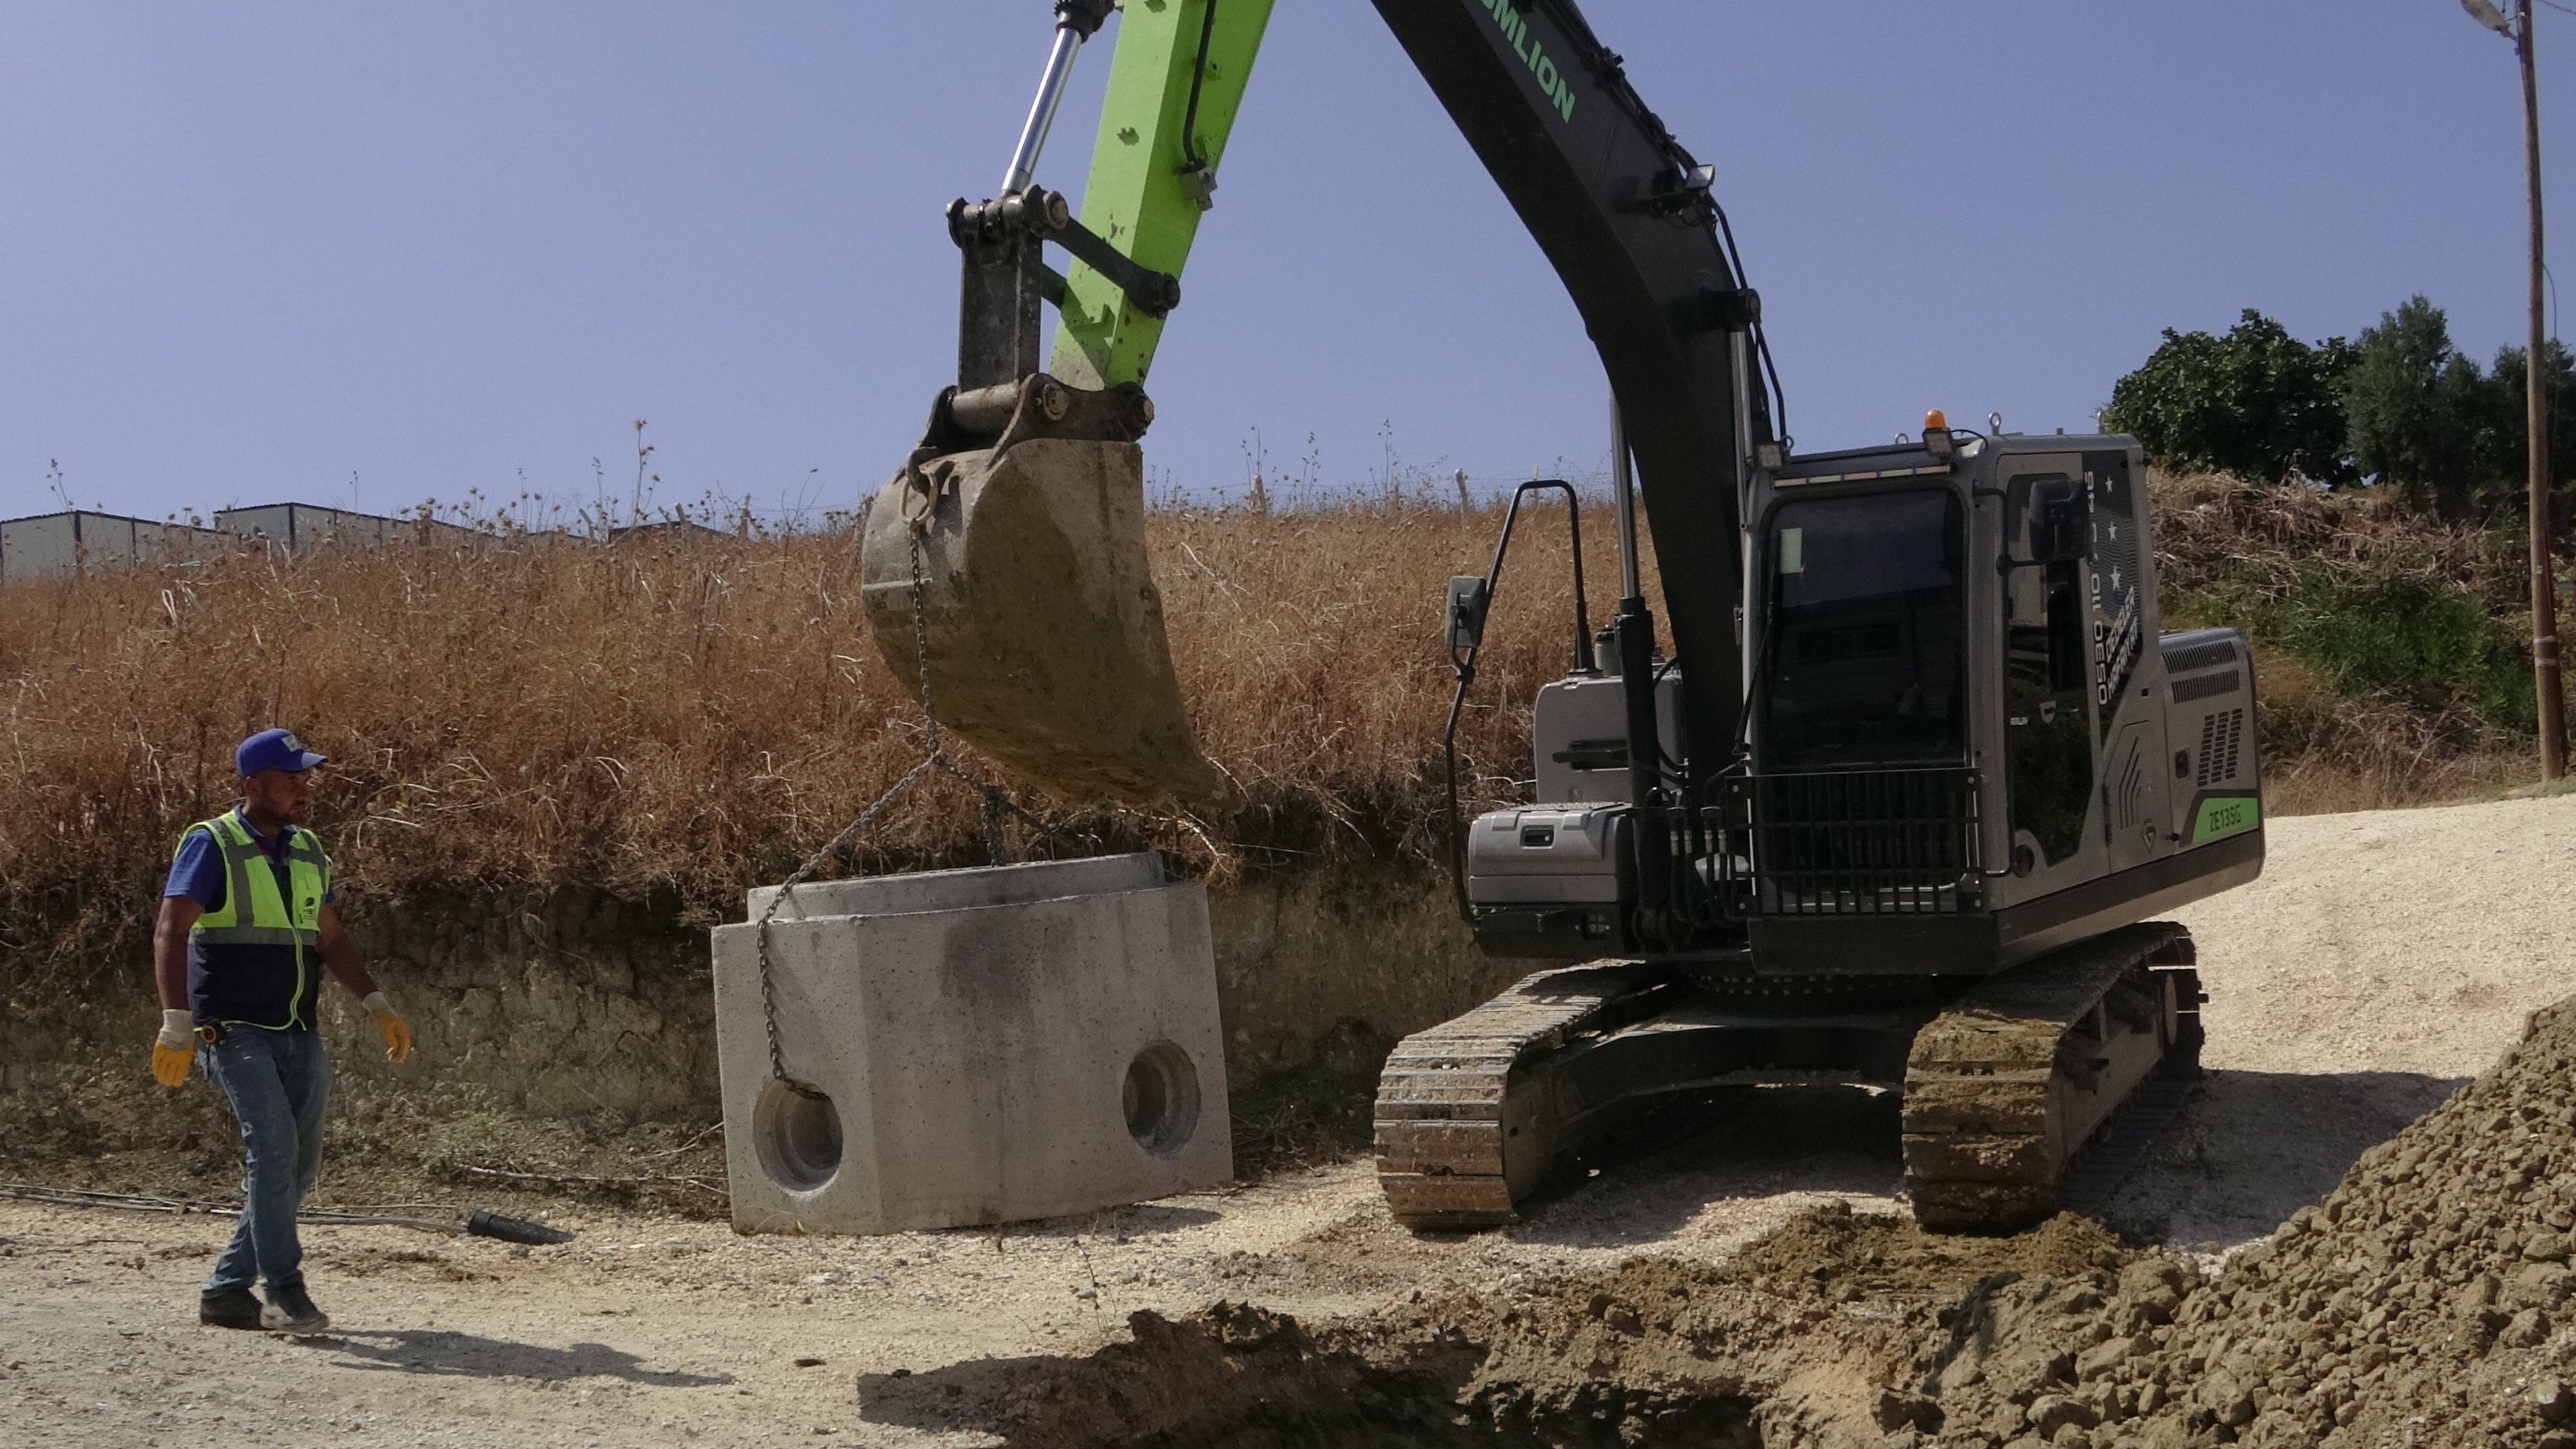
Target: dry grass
[(2324, 753), (2209, 525), (1308, 645), (680, 715)]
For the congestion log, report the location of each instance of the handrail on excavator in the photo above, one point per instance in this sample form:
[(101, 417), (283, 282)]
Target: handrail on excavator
[(1469, 599)]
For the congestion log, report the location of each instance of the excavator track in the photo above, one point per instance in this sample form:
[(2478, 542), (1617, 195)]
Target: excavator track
[(2015, 1093), (1473, 1113), (2007, 1088)]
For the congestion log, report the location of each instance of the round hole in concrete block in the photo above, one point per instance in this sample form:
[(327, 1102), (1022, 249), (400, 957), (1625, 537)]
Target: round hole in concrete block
[(798, 1136), (1161, 1097)]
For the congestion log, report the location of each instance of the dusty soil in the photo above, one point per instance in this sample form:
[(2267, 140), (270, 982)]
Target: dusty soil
[(2382, 961)]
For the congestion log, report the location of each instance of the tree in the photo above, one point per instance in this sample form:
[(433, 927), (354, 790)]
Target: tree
[(2418, 415), (2257, 402), (2506, 491)]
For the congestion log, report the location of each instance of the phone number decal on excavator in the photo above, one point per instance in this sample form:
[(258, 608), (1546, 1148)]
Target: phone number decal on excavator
[(1515, 29), (2225, 815)]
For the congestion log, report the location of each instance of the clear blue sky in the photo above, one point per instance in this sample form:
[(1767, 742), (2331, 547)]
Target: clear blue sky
[(249, 250)]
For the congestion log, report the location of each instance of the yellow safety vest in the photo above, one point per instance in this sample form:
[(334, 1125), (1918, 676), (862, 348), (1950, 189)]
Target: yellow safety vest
[(256, 960)]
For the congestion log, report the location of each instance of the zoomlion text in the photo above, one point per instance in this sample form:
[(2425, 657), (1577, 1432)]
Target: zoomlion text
[(1515, 29)]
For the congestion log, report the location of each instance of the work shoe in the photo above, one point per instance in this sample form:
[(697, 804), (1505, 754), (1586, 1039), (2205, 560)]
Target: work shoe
[(228, 1308), (289, 1311)]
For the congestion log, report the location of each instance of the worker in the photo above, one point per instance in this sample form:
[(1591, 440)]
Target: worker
[(247, 927)]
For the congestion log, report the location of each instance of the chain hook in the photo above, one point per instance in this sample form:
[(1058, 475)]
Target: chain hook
[(996, 801)]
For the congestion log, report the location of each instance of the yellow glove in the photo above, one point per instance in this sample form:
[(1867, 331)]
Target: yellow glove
[(397, 1031), (174, 1048)]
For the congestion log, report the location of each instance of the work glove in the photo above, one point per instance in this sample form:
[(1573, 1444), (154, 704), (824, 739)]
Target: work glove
[(174, 1048), (397, 1031)]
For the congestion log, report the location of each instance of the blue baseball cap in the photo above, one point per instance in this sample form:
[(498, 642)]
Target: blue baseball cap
[(274, 750)]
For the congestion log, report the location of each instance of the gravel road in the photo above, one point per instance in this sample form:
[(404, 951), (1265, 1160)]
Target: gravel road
[(2382, 960)]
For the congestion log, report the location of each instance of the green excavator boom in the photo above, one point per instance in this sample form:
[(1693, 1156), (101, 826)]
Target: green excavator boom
[(1175, 85)]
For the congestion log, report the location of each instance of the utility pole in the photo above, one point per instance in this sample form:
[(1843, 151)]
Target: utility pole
[(2535, 379)]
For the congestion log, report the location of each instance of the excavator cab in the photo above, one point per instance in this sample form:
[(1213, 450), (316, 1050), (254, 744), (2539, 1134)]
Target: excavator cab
[(1003, 568), (1966, 745)]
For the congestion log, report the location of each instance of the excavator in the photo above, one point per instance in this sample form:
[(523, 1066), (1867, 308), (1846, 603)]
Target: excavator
[(1897, 807)]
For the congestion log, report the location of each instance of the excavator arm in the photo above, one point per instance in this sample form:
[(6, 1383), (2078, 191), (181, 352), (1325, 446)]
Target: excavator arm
[(1627, 218), (1012, 540), (1174, 87)]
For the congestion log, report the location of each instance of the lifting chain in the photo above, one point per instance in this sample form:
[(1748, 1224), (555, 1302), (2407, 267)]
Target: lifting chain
[(997, 803)]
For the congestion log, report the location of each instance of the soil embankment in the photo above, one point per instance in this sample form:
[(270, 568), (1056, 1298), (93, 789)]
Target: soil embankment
[(574, 1035)]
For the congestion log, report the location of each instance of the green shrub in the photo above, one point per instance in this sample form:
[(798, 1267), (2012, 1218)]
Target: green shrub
[(2428, 642)]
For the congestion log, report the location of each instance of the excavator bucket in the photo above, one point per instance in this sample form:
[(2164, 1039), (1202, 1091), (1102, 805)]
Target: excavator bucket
[(1011, 547), (1021, 567)]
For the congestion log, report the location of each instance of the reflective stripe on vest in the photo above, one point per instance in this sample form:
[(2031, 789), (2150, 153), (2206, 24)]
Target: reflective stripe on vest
[(257, 936), (273, 919)]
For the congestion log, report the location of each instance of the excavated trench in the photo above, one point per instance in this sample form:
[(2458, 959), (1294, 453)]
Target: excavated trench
[(1238, 1377), (1818, 1326), (1398, 1413), (1395, 1410)]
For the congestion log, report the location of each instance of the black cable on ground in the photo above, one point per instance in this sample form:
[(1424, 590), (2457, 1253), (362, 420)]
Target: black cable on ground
[(477, 1222)]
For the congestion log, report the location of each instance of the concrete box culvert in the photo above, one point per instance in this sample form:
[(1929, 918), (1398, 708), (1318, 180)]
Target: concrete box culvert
[(974, 1046)]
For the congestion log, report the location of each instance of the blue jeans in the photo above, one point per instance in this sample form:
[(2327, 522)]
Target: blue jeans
[(279, 1082)]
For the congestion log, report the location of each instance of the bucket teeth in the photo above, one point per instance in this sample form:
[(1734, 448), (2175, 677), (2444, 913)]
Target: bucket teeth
[(1045, 630)]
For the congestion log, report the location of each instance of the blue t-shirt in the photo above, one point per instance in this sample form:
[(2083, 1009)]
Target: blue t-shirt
[(198, 870)]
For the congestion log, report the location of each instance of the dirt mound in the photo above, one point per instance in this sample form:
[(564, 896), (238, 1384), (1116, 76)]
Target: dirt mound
[(2424, 1298), (1863, 1255), (2420, 1303)]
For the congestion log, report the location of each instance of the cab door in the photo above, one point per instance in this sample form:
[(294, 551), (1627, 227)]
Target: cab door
[(2126, 664), (2050, 733)]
